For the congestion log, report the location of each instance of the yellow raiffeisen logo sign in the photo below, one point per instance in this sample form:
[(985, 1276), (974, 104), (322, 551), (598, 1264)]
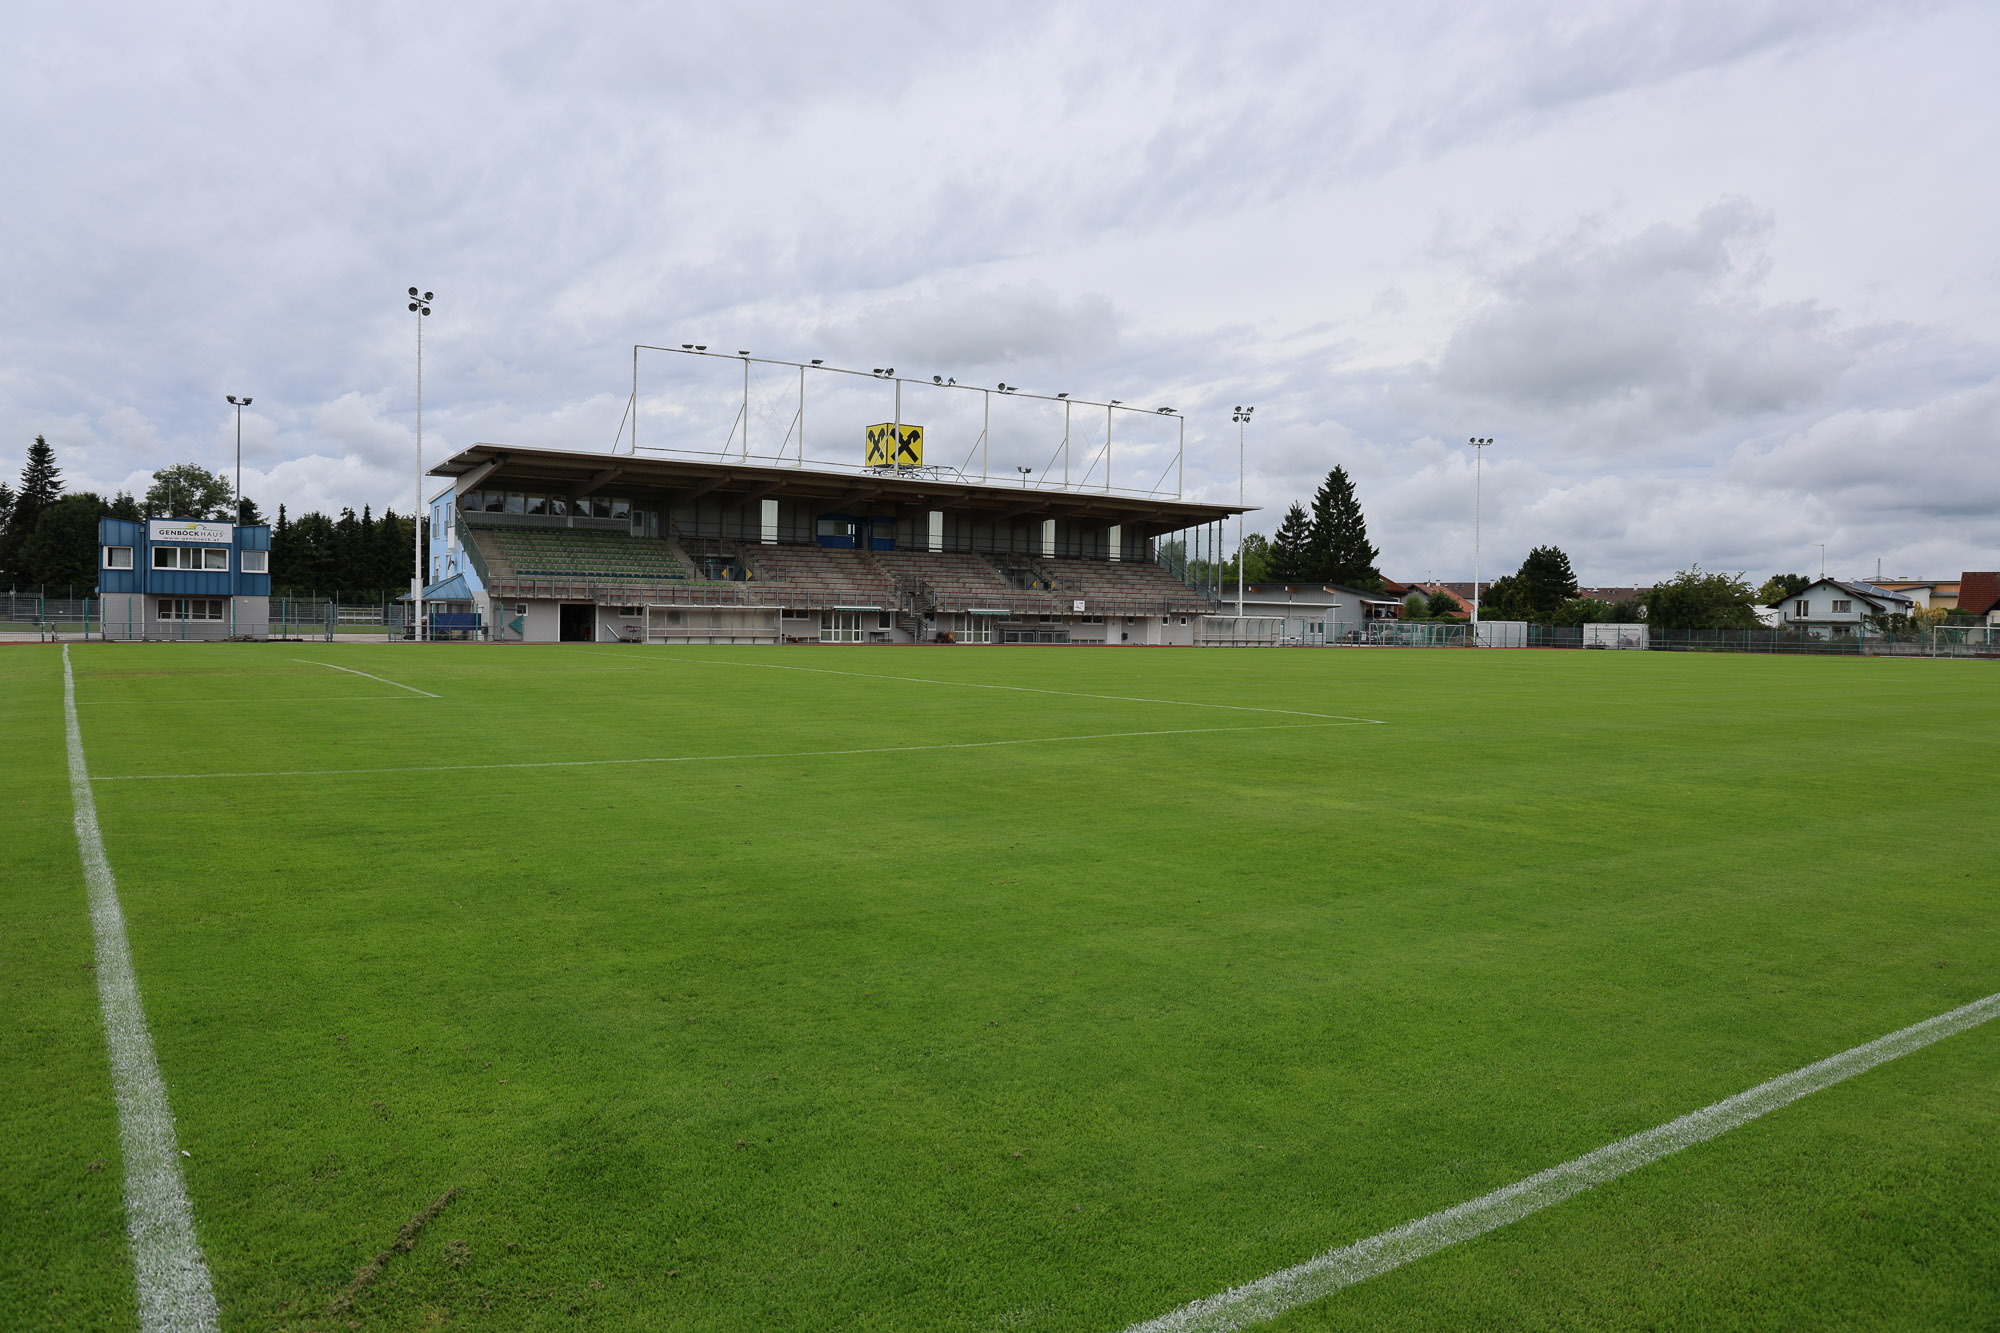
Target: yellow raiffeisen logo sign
[(885, 450), (179, 530)]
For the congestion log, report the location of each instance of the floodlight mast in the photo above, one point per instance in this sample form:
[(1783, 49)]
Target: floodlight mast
[(240, 404), (889, 373), (1242, 419), (420, 306), (1478, 455)]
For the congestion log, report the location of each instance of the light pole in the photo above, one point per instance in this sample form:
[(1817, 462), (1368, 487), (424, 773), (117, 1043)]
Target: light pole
[(420, 306), (1478, 456), (1242, 419), (240, 404)]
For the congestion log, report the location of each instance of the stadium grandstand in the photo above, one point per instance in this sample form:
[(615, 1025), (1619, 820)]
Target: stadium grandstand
[(545, 546)]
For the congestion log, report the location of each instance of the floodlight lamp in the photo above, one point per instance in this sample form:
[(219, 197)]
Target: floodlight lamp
[(892, 370), (701, 347), (232, 397), (742, 351), (427, 296), (1236, 409), (413, 291), (687, 347), (1062, 395), (819, 360), (1116, 401), (246, 402), (413, 305), (937, 379)]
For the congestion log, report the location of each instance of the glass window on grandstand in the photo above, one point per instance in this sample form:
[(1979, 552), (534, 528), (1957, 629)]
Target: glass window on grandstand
[(191, 557), (192, 608)]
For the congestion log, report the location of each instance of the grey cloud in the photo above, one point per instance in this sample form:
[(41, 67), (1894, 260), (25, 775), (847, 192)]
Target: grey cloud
[(973, 327), (1661, 330), (219, 200)]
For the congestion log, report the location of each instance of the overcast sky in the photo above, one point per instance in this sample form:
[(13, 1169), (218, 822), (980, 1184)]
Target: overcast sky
[(1720, 279)]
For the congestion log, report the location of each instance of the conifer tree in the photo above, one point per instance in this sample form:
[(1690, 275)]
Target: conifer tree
[(1546, 580), (41, 486), (1288, 548), (1337, 546), (41, 479)]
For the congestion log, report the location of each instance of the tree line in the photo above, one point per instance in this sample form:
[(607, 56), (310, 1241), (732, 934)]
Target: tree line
[(48, 539), (1327, 542)]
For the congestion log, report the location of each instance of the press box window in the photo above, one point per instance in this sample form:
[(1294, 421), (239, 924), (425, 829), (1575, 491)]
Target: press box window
[(118, 557), (191, 557), (256, 562)]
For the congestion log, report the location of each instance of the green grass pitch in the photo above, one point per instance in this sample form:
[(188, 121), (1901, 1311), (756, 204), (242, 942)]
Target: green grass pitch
[(841, 1034)]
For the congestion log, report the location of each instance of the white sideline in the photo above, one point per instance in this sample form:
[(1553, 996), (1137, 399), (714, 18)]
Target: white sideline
[(174, 1291), (1268, 1297), (239, 703), (352, 672), (711, 758), (1019, 689)]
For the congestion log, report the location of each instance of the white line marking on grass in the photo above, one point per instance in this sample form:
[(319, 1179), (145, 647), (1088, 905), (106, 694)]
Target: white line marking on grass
[(1020, 689), (1269, 1297), (712, 758), (174, 1291), (238, 703), (352, 672)]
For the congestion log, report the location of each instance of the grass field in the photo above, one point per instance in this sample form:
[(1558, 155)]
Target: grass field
[(868, 1016)]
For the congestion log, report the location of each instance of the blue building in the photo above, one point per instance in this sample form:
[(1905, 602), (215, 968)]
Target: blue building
[(170, 578)]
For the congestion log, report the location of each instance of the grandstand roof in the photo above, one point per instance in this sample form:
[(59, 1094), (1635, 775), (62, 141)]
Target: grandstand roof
[(583, 473)]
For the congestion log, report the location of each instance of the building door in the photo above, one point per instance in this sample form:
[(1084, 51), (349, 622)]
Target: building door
[(576, 622)]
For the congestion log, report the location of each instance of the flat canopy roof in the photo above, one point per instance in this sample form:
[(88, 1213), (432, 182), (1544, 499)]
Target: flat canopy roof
[(828, 492)]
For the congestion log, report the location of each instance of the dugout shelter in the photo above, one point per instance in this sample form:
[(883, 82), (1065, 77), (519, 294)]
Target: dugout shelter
[(552, 546)]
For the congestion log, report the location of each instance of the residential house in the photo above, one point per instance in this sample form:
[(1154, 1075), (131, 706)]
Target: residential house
[(1832, 608), (1979, 595)]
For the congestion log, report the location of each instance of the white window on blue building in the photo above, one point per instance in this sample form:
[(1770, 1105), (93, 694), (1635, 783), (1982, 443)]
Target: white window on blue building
[(118, 557), (255, 562), (191, 557)]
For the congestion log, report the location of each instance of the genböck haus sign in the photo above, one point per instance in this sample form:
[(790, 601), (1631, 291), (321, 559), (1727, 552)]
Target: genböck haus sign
[(178, 530)]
